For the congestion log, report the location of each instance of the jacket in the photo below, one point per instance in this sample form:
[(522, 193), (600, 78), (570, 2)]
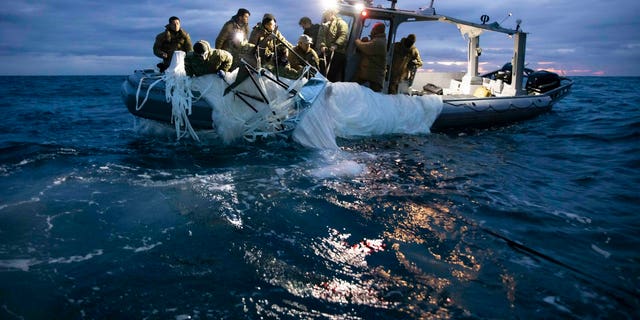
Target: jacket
[(373, 58), (310, 57), (170, 41), (334, 34), (265, 41), (403, 60), (217, 59), (228, 34), (314, 33), (284, 70), (243, 52)]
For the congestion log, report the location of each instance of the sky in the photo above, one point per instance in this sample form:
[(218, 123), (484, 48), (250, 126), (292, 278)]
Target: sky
[(64, 37)]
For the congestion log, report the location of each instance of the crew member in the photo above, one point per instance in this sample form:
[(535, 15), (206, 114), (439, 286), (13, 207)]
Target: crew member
[(172, 39)]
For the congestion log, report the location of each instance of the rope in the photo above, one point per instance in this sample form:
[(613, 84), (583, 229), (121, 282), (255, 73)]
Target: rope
[(270, 121), (146, 97)]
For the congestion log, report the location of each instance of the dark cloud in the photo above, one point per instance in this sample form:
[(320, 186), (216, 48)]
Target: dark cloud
[(98, 37)]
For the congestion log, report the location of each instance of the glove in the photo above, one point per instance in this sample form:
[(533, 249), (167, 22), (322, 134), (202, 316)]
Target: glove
[(221, 74)]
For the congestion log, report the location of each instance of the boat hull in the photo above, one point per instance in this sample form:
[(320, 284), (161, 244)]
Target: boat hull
[(457, 113), (156, 106), (460, 114)]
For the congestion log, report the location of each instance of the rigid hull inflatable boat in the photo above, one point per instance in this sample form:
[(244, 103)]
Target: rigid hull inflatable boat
[(467, 99)]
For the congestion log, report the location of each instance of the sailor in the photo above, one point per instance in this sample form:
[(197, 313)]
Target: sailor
[(304, 54), (279, 64), (265, 36), (236, 29), (172, 39), (373, 60), (310, 29), (406, 60), (332, 40), (205, 60)]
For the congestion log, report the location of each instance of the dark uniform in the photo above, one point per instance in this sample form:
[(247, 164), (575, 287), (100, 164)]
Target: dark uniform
[(280, 65), (204, 60), (228, 33), (405, 58), (169, 41), (266, 40), (309, 56), (373, 61), (333, 38)]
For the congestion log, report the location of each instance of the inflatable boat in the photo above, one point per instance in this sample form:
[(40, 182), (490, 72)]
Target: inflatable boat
[(272, 105)]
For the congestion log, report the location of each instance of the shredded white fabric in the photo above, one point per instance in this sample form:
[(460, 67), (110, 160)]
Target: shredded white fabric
[(178, 93), (349, 110), (240, 114)]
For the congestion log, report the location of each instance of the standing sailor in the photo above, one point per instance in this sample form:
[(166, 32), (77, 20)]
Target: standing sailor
[(333, 45), (406, 60), (374, 55)]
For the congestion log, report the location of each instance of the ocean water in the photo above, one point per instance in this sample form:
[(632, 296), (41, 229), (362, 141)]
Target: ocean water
[(106, 217)]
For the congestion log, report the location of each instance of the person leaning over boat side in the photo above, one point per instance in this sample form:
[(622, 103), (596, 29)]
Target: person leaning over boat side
[(373, 61), (332, 40), (305, 51), (205, 60), (265, 36), (172, 39), (236, 29), (310, 29), (279, 64), (406, 58)]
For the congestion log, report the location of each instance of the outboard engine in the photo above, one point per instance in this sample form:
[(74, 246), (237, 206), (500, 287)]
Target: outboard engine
[(504, 74), (542, 81)]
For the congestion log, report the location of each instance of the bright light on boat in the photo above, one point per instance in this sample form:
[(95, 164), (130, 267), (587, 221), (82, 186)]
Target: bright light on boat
[(360, 6)]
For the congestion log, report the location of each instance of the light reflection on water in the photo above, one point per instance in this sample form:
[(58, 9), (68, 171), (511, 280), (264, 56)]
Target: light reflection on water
[(403, 265)]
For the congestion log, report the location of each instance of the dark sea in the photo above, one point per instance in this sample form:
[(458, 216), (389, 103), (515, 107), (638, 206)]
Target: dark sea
[(105, 217)]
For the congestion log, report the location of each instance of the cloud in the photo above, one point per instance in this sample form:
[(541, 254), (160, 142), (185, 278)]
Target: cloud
[(69, 37)]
